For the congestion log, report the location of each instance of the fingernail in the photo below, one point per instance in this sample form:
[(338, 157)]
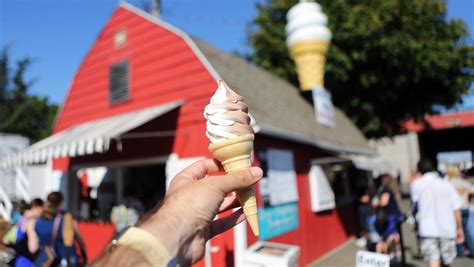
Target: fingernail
[(256, 172)]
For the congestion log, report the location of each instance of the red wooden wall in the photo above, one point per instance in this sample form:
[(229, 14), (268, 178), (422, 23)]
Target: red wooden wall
[(96, 238), (162, 68), (317, 232)]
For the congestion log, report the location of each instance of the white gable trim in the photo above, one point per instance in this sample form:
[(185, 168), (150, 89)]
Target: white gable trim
[(317, 142), (178, 32)]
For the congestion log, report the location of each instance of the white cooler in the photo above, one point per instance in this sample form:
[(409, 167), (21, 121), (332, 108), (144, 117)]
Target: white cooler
[(271, 254)]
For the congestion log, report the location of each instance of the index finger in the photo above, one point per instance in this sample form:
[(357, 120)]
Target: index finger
[(236, 181), (201, 169)]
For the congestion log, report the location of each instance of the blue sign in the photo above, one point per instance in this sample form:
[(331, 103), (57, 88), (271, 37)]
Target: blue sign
[(277, 220)]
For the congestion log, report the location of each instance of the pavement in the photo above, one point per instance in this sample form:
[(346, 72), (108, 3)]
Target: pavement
[(345, 254)]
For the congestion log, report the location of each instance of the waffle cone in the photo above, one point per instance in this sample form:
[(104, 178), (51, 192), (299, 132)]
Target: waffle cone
[(310, 57), (235, 155)]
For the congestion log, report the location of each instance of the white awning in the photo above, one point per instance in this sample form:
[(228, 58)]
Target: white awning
[(375, 164), (86, 138)]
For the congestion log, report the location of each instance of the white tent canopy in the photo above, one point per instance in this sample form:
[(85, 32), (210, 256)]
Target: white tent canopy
[(377, 165), (86, 138)]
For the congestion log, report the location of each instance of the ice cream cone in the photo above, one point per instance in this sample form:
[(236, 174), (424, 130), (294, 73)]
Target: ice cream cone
[(310, 57), (308, 39), (234, 155)]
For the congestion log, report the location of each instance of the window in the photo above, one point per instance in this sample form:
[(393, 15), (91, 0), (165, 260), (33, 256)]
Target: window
[(279, 176), (118, 82)]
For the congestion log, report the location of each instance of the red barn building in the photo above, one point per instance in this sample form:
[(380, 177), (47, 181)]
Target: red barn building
[(135, 106)]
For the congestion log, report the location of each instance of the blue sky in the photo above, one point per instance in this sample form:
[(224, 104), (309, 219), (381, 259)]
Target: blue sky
[(57, 33)]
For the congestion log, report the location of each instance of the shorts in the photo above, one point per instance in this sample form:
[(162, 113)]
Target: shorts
[(436, 249)]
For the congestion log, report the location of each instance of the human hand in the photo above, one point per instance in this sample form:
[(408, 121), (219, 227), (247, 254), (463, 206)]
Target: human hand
[(364, 199), (185, 221)]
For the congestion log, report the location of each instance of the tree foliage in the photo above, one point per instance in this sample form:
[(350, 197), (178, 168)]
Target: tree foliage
[(389, 60), (21, 112)]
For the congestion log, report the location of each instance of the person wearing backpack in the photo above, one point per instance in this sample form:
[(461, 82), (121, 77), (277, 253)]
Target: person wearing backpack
[(52, 235)]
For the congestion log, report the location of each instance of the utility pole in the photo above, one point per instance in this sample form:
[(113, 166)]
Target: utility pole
[(155, 11)]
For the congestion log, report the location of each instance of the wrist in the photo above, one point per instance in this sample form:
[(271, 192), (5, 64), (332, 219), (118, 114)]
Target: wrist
[(166, 229), (150, 249)]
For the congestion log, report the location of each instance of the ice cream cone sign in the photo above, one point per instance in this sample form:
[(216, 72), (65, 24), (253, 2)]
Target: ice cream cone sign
[(231, 136), (308, 41)]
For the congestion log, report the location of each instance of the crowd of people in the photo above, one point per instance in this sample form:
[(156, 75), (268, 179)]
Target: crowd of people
[(442, 209), (43, 234)]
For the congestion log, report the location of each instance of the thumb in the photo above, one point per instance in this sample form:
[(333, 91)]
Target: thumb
[(238, 180)]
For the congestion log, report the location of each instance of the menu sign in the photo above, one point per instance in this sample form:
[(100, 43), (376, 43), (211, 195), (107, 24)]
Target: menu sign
[(281, 174)]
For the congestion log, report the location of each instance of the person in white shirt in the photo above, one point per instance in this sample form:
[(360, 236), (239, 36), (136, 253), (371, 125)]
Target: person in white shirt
[(439, 216)]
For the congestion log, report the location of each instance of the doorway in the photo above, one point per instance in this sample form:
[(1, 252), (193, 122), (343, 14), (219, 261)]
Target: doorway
[(145, 183)]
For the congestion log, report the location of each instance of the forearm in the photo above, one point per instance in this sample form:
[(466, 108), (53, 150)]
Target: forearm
[(33, 239), (458, 215), (167, 229), (136, 247), (33, 245), (166, 244)]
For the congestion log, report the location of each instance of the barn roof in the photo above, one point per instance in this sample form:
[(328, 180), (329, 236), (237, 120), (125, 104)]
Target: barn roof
[(276, 105)]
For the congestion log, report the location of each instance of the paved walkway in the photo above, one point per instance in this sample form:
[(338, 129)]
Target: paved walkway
[(344, 255)]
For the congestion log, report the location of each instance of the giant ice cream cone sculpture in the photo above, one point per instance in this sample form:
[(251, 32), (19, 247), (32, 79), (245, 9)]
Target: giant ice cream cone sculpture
[(228, 128), (308, 40)]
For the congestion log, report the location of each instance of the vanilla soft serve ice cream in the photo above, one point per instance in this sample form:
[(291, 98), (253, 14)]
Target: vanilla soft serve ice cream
[(227, 115), (306, 21), (228, 128), (308, 40)]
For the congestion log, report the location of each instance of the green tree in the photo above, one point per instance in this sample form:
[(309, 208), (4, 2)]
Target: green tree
[(21, 112), (389, 60)]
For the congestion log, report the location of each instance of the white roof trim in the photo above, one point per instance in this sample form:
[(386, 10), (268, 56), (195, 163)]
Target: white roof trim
[(178, 32), (87, 138), (374, 164), (318, 142)]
